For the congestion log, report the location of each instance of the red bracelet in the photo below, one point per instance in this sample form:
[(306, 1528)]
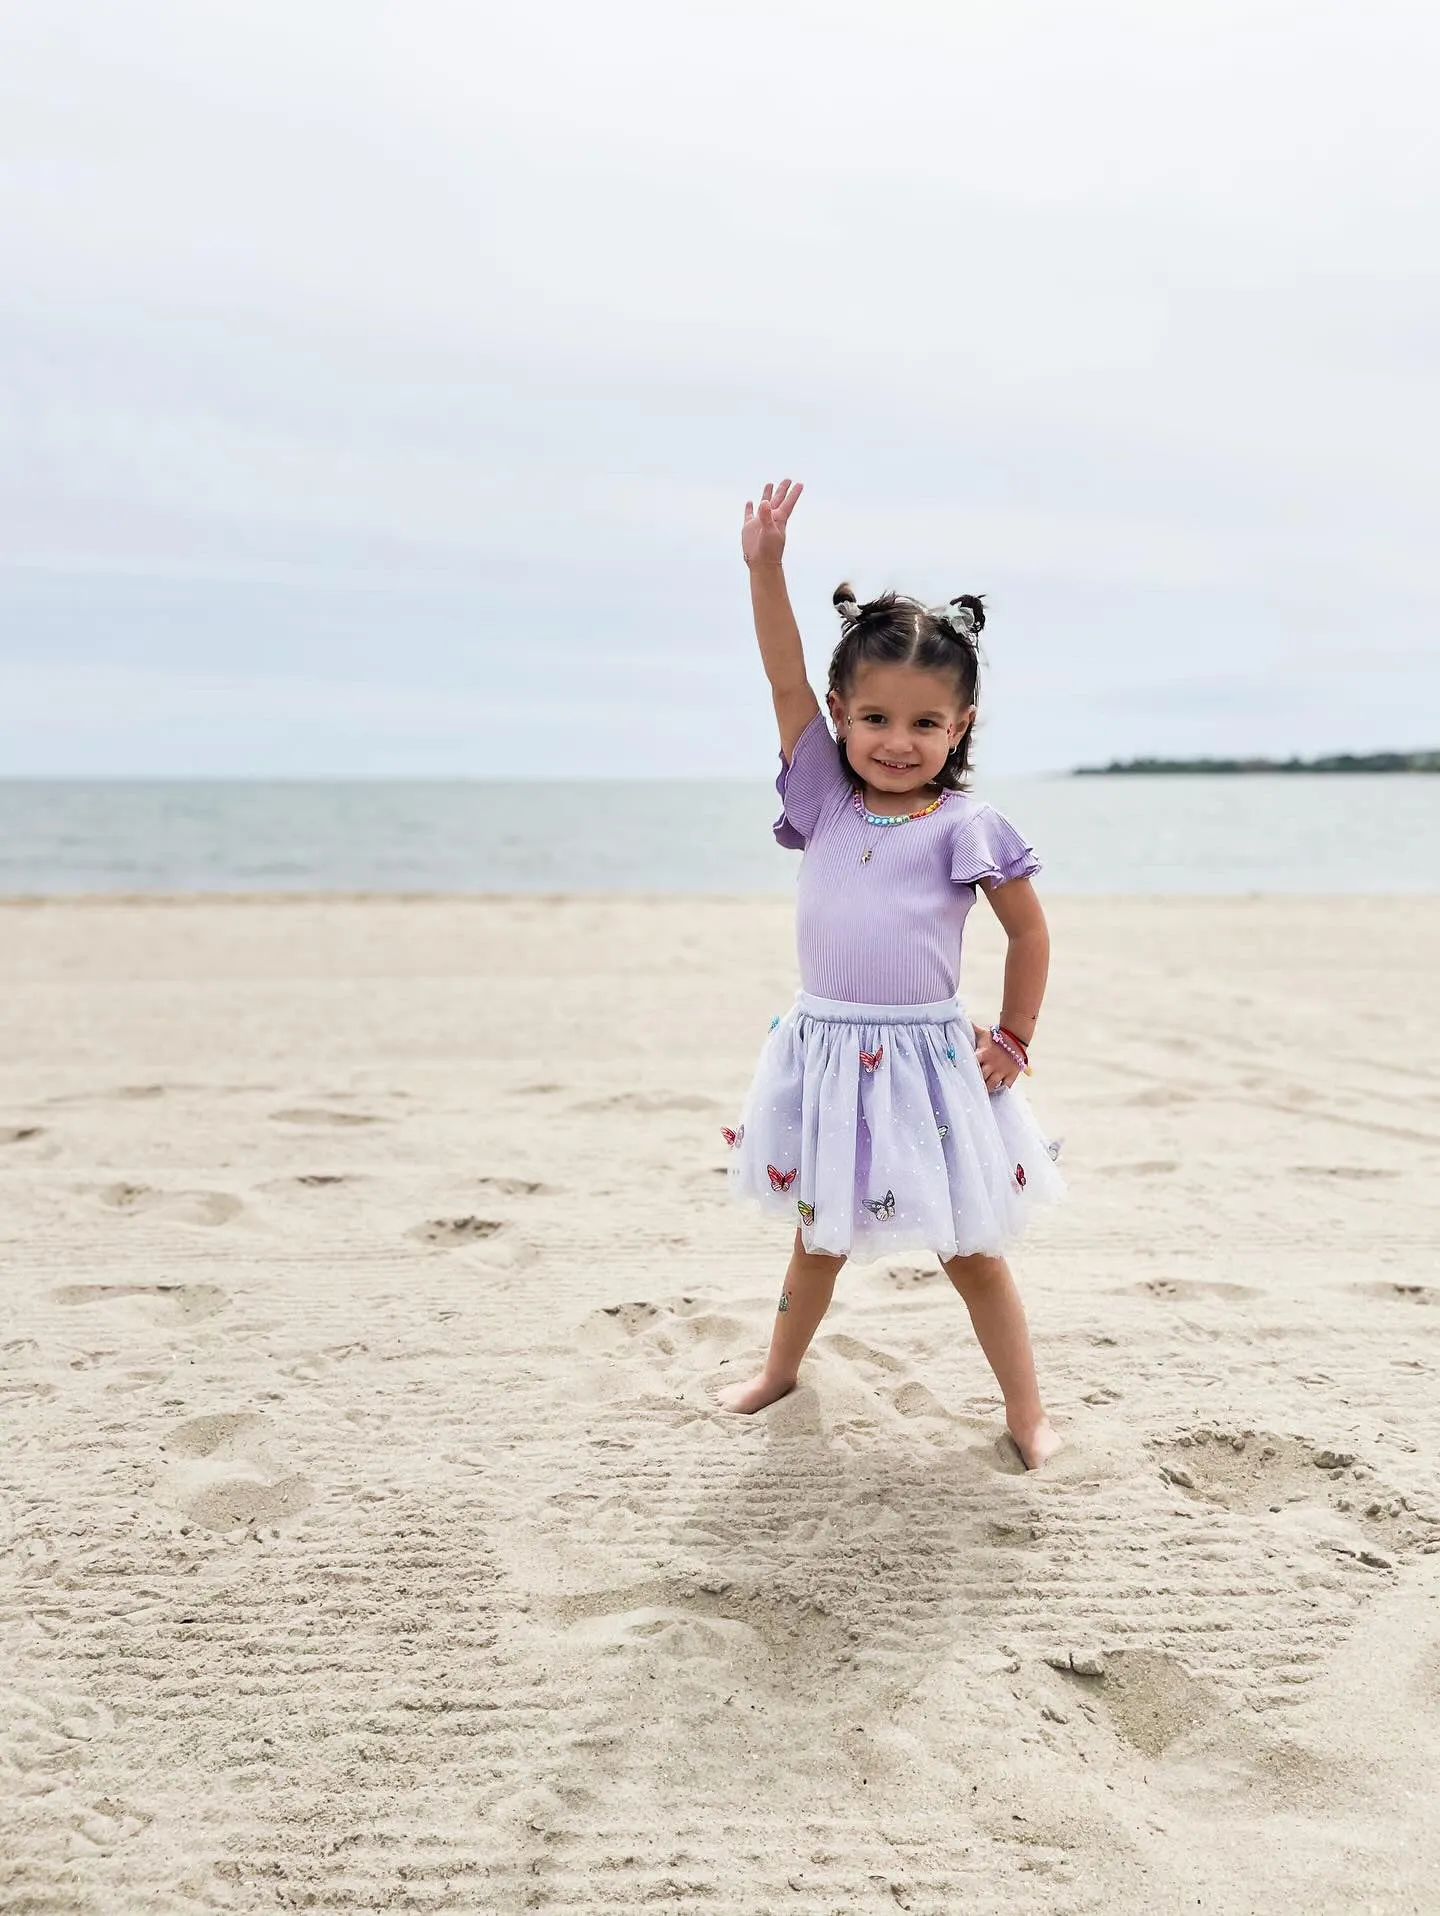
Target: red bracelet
[(1005, 1031), (1011, 1047)]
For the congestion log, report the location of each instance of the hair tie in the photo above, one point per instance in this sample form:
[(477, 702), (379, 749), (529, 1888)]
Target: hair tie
[(848, 610), (959, 618)]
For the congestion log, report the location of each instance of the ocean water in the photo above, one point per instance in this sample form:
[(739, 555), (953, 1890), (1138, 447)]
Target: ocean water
[(1292, 833)]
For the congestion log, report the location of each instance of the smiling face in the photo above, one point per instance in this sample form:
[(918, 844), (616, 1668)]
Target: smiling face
[(898, 724)]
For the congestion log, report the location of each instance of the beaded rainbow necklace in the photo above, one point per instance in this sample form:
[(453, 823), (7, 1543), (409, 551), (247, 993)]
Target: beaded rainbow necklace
[(900, 818), (880, 818)]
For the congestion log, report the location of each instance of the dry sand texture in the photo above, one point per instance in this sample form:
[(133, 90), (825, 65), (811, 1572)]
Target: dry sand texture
[(368, 1539)]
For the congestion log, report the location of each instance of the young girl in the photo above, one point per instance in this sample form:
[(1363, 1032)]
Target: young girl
[(879, 1115)]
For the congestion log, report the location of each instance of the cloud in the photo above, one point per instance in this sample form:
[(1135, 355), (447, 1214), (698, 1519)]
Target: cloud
[(436, 352)]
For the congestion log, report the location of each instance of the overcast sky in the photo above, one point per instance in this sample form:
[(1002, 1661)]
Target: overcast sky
[(383, 384)]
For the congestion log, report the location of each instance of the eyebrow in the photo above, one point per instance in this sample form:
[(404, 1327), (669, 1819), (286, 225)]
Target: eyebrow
[(870, 705)]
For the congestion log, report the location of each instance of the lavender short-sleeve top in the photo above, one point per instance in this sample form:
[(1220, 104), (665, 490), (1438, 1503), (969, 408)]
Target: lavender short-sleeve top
[(884, 930)]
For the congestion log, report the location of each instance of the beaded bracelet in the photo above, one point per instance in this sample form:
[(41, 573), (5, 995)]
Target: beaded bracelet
[(1002, 1038), (1008, 1033)]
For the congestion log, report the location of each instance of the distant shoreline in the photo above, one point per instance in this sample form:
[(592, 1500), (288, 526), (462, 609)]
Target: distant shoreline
[(1207, 767)]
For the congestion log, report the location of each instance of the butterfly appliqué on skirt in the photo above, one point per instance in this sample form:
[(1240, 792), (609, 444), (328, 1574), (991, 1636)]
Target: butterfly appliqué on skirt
[(781, 1180), (870, 1059), (881, 1209)]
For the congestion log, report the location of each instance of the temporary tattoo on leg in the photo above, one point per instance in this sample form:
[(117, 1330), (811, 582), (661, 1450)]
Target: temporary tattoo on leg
[(784, 1303)]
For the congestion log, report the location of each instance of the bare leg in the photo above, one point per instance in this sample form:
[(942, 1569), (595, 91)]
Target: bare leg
[(804, 1300), (998, 1315)]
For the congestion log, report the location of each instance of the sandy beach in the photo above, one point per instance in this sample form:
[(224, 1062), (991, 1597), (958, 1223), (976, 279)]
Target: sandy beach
[(369, 1539)]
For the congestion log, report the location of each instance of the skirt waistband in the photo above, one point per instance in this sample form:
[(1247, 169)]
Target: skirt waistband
[(838, 1011)]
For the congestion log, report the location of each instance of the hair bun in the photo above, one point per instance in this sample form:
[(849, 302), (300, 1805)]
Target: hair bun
[(964, 617), (843, 599), (974, 604)]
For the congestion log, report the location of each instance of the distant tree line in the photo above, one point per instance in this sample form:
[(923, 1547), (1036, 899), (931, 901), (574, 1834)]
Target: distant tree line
[(1339, 762)]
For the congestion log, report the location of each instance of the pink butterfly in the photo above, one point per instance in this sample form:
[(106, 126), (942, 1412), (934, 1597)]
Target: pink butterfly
[(871, 1058), (780, 1180), (733, 1138), (1020, 1176)]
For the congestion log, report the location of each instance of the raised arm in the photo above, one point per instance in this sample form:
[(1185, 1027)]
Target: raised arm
[(762, 540)]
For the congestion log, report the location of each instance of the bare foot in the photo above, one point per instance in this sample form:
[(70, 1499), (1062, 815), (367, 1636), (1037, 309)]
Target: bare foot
[(755, 1395), (1036, 1442)]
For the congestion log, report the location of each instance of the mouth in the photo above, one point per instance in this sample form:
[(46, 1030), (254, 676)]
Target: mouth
[(890, 765)]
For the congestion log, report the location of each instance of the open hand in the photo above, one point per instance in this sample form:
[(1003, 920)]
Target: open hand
[(762, 537), (997, 1067)]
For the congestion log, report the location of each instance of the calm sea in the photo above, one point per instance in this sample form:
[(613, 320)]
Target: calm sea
[(1116, 835)]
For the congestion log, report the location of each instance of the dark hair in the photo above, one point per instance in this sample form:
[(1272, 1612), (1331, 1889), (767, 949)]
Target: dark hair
[(893, 630)]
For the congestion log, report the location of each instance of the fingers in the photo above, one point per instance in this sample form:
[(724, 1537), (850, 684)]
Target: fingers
[(783, 496)]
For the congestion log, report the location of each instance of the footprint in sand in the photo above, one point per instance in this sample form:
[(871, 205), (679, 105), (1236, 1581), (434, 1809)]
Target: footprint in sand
[(1401, 1293), (175, 1207), (685, 1328), (225, 1473), (314, 1115), (496, 1240), (909, 1277), (1184, 1290), (20, 1133), (289, 1187), (1148, 1697), (1259, 1471), (456, 1230), (172, 1304)]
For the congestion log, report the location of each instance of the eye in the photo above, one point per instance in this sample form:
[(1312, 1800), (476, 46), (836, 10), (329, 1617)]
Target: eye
[(874, 718)]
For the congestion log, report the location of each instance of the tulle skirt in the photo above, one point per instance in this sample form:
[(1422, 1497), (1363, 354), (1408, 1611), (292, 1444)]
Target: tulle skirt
[(871, 1128)]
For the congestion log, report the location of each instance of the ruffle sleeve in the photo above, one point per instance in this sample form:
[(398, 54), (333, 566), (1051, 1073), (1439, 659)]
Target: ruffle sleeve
[(988, 849), (811, 781)]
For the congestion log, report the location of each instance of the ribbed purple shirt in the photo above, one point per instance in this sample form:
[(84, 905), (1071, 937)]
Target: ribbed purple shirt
[(887, 930)]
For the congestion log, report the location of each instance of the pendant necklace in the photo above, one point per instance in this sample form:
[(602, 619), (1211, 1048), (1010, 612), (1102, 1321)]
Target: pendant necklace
[(901, 818)]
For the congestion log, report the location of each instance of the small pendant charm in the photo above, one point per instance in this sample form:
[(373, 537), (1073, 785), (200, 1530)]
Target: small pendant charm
[(865, 855)]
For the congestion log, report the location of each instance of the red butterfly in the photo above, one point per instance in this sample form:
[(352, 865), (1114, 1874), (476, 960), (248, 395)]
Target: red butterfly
[(871, 1058), (1020, 1176), (733, 1138), (780, 1180)]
